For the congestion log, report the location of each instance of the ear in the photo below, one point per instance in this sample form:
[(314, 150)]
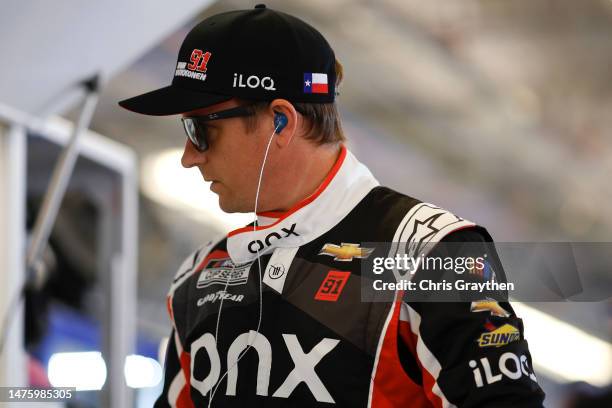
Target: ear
[(284, 107)]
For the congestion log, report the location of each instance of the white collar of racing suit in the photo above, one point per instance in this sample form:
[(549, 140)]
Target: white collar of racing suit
[(348, 182)]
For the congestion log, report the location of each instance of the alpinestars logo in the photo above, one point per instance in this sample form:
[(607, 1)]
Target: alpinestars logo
[(421, 231), (302, 371), (423, 226)]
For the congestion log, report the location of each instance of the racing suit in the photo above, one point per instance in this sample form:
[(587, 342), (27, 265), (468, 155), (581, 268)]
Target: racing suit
[(319, 344)]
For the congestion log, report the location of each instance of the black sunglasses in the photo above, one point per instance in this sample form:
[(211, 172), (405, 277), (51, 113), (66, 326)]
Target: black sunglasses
[(197, 131)]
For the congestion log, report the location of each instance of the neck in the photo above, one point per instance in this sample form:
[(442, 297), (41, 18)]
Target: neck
[(306, 172)]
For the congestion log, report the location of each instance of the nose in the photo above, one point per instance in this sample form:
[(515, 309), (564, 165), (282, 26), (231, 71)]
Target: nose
[(191, 156)]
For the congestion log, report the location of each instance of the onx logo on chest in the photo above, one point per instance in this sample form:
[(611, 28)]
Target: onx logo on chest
[(259, 245), (223, 271), (302, 372)]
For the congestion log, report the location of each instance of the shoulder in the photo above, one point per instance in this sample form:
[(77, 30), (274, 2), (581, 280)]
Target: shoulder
[(415, 225), (192, 262)]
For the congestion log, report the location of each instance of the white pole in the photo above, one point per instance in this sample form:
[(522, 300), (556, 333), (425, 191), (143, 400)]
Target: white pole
[(59, 183), (13, 360)]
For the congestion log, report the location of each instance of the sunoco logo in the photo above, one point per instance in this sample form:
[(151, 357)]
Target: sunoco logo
[(499, 337)]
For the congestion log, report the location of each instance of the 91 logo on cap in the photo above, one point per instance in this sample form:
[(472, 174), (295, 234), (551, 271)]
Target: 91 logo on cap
[(199, 60)]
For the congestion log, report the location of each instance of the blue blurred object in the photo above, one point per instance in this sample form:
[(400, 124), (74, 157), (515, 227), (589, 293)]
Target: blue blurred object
[(70, 330)]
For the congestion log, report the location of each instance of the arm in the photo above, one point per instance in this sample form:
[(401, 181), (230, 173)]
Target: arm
[(176, 386), (177, 372), (469, 353)]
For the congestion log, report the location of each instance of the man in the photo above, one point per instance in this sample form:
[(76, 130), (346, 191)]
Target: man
[(272, 315)]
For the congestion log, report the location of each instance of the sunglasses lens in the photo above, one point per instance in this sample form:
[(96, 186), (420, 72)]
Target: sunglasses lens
[(196, 133)]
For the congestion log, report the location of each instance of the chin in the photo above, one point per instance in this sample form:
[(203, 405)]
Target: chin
[(230, 206), (225, 206)]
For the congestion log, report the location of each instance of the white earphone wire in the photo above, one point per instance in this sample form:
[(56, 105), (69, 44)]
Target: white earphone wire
[(255, 224)]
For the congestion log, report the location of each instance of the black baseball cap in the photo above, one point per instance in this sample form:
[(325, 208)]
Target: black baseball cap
[(256, 54)]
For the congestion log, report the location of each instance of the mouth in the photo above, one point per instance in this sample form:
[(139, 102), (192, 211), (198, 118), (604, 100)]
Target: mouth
[(206, 179)]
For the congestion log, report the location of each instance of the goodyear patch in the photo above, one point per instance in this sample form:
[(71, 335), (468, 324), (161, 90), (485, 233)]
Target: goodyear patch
[(499, 337)]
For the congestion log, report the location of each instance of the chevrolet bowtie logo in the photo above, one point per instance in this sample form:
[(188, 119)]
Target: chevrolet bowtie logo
[(489, 305), (345, 252)]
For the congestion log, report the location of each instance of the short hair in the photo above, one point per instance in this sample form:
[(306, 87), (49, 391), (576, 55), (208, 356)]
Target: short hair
[(323, 124)]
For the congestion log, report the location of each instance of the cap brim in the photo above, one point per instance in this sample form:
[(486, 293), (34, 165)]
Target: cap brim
[(171, 100)]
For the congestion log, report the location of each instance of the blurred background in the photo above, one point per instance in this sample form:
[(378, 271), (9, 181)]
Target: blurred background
[(498, 110)]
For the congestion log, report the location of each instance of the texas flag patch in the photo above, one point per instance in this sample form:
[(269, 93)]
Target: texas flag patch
[(315, 82)]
